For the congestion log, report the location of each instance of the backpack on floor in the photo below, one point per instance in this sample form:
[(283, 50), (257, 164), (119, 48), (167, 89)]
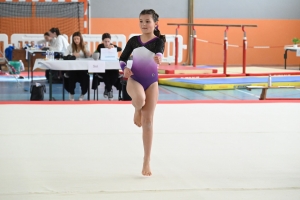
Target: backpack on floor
[(37, 92)]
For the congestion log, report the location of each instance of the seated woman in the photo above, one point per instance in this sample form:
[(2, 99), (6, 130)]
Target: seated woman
[(78, 49), (60, 43), (47, 39), (111, 76)]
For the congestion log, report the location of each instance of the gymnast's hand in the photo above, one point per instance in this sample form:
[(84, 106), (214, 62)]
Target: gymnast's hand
[(157, 59), (127, 72)]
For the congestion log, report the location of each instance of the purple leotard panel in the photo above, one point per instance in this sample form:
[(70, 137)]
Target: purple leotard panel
[(144, 68)]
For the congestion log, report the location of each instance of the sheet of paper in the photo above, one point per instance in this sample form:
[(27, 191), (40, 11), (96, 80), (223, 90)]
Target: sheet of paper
[(109, 54), (96, 66)]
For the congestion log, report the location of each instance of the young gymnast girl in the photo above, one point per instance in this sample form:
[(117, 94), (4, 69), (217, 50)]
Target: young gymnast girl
[(142, 86)]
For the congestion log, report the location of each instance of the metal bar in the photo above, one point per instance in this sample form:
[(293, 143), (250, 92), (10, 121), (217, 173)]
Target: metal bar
[(194, 47), (285, 57), (176, 46), (244, 50), (189, 59), (31, 69), (225, 51), (221, 25), (191, 49)]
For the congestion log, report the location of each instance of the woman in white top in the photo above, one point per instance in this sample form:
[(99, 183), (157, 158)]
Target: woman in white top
[(60, 42), (78, 49)]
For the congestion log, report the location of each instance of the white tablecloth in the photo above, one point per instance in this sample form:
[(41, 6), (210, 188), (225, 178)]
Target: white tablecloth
[(80, 64)]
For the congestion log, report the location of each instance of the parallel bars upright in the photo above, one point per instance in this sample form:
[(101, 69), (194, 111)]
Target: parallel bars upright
[(225, 42)]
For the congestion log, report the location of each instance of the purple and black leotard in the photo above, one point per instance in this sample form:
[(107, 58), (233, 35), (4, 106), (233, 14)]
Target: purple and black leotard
[(144, 68)]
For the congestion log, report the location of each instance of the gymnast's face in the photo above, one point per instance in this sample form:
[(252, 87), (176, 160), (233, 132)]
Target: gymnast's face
[(147, 23), (76, 40)]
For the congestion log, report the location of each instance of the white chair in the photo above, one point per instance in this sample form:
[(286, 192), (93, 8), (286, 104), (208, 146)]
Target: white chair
[(20, 40)]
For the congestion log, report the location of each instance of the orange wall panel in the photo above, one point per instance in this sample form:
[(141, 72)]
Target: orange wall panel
[(268, 33), (273, 33)]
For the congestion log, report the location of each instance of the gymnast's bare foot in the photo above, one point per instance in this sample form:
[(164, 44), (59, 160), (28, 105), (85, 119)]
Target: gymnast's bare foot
[(138, 117), (146, 168)]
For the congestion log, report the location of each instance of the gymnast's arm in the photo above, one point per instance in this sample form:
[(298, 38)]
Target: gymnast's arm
[(159, 51), (126, 54), (160, 47)]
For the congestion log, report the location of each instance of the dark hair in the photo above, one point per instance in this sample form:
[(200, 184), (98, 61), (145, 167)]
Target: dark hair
[(81, 46), (155, 17), (106, 35), (46, 34), (55, 30)]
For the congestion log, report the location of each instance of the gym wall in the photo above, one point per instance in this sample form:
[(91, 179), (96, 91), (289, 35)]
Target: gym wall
[(278, 22)]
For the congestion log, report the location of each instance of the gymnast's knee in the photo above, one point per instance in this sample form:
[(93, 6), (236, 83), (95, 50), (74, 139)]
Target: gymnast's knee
[(138, 102)]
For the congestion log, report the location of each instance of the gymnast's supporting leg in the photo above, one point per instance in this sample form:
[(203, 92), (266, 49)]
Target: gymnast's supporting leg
[(144, 103)]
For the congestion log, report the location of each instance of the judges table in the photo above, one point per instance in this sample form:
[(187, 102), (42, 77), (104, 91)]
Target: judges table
[(289, 48), (30, 53), (71, 65)]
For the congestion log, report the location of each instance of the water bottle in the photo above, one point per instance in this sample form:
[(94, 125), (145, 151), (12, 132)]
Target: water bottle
[(270, 81), (47, 55), (52, 55)]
